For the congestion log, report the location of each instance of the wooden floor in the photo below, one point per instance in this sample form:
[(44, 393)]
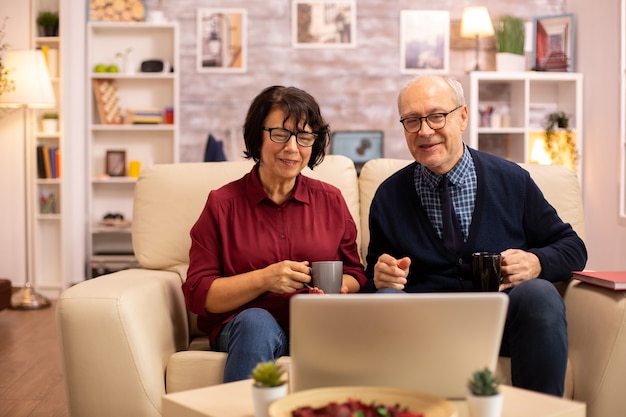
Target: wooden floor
[(31, 379)]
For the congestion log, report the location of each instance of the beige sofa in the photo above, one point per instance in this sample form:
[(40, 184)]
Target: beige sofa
[(127, 337)]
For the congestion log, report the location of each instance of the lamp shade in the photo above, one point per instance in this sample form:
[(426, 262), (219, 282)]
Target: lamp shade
[(28, 70), (476, 22)]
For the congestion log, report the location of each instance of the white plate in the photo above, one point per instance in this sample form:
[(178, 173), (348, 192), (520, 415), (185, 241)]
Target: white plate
[(417, 402)]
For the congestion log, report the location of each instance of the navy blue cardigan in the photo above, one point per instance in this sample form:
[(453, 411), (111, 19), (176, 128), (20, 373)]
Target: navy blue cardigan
[(510, 212)]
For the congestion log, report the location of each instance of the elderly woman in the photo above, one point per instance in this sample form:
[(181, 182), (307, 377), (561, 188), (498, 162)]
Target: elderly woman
[(254, 240)]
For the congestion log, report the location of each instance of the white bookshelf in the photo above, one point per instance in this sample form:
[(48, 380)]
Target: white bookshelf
[(521, 101), (110, 247)]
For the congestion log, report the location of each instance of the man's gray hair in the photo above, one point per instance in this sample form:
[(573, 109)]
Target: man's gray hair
[(457, 89)]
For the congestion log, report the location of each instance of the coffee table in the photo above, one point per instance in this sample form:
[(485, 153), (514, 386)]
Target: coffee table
[(235, 400)]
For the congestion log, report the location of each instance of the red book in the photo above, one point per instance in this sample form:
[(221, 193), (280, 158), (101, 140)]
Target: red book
[(615, 280)]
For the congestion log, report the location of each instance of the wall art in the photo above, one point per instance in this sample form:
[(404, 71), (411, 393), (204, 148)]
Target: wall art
[(424, 42), (221, 43), (553, 46), (323, 24)]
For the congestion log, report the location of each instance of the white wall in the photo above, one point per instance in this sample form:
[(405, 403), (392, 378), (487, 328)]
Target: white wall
[(598, 57)]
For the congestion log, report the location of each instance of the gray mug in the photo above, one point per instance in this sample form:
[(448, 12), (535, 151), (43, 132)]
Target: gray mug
[(327, 276)]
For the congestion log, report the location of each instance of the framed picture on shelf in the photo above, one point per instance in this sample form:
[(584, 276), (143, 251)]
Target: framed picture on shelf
[(323, 24), (221, 42), (116, 163), (553, 43), (424, 41)]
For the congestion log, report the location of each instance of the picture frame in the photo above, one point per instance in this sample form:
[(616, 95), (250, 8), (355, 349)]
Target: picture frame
[(115, 163), (553, 43), (221, 41), (323, 23), (424, 41)]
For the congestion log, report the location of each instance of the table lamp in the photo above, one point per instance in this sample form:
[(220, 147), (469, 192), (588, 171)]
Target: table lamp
[(32, 89), (476, 23)]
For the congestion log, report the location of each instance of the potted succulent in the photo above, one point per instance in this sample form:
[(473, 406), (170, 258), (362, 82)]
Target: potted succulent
[(510, 44), (269, 385), (484, 398), (50, 122), (48, 23), (560, 140)]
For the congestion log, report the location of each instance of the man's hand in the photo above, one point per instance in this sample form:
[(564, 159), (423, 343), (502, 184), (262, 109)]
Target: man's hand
[(390, 272), (518, 266)]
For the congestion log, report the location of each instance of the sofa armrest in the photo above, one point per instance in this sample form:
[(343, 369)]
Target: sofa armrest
[(117, 333), (597, 342)]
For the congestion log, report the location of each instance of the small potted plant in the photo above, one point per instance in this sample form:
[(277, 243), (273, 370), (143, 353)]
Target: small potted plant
[(560, 140), (510, 44), (269, 385), (484, 398), (48, 23), (50, 122)]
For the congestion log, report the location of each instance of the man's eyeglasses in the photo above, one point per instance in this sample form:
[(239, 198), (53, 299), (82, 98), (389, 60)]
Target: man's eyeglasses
[(280, 135), (435, 121)]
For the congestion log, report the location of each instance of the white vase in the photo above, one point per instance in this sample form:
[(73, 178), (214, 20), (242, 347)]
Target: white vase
[(155, 16), (263, 397), (485, 405), (507, 62), (49, 125)]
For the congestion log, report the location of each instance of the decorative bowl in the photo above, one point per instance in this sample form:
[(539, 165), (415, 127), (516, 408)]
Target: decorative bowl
[(416, 402)]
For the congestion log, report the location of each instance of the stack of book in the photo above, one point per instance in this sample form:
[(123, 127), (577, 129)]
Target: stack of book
[(144, 116), (48, 162)]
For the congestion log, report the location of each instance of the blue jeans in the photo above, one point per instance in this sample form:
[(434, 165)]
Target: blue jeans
[(252, 336), (535, 336)]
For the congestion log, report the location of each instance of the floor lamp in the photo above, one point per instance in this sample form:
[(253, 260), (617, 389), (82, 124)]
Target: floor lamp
[(476, 23), (32, 90)]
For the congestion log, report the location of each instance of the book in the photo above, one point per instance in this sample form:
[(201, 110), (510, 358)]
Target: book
[(615, 280)]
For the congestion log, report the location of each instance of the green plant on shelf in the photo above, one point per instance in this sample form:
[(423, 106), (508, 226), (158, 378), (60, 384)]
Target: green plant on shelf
[(555, 149), (510, 35), (48, 22)]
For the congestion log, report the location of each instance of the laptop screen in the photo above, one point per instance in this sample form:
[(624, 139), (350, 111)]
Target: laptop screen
[(430, 343)]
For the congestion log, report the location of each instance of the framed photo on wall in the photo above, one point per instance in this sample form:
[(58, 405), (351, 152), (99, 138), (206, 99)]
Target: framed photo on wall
[(116, 163), (221, 41), (323, 23), (424, 41), (553, 44)]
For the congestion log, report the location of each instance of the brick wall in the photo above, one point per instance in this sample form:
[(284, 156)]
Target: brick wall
[(356, 88)]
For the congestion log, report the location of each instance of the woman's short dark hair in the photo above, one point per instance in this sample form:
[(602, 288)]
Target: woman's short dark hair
[(297, 104)]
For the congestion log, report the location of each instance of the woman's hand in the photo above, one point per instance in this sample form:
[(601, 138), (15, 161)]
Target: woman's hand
[(285, 277)]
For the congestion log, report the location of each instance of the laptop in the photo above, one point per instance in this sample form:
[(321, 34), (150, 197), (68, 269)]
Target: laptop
[(430, 343), (358, 145)]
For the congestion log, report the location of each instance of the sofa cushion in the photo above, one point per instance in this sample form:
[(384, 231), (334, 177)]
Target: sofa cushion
[(169, 198)]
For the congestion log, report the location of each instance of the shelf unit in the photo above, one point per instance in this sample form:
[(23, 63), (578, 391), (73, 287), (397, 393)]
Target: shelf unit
[(47, 254), (110, 246), (521, 101)]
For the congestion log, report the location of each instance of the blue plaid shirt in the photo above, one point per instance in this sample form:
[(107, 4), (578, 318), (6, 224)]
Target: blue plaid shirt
[(462, 192)]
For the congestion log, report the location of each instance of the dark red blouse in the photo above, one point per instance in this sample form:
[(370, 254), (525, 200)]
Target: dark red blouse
[(241, 230)]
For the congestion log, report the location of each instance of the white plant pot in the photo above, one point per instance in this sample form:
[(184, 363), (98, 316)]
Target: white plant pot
[(49, 125), (507, 62), (485, 406), (156, 16), (263, 397)]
